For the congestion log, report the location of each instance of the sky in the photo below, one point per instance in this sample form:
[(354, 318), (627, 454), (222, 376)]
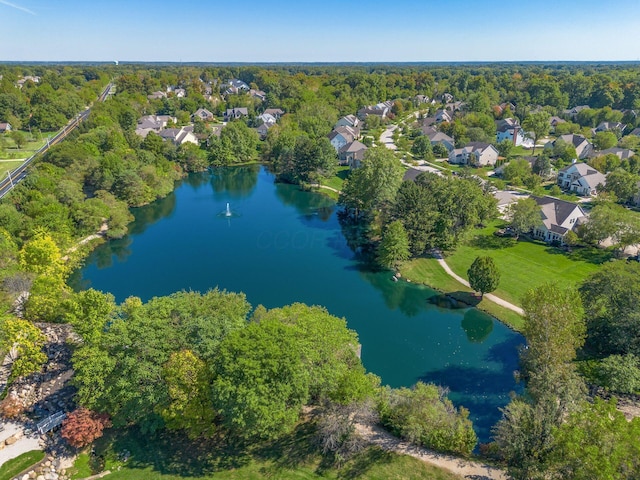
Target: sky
[(320, 31)]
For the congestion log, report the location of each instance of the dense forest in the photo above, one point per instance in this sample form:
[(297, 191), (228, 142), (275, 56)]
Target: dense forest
[(209, 364)]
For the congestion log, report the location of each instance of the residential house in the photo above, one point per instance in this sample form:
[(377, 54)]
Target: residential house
[(583, 147), (153, 123), (635, 131), (27, 78), (423, 99), (340, 136), (621, 153), (438, 138), (235, 113), (157, 95), (608, 126), (276, 112), (573, 112), (580, 178), (180, 92), (5, 127), (443, 116), (554, 121), (381, 110), (266, 118), (263, 129), (510, 129), (179, 136), (558, 218), (352, 154), (504, 107), (203, 114), (455, 106), (259, 94), (348, 121), (477, 154), (235, 86), (446, 98)]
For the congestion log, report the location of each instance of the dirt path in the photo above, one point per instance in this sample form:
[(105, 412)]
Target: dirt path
[(326, 187), (100, 234), (465, 468), (488, 296)]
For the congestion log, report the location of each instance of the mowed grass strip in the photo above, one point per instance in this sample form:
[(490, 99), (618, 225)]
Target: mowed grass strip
[(13, 467), (526, 264)]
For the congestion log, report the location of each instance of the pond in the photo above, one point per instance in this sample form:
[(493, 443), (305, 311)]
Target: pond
[(281, 245)]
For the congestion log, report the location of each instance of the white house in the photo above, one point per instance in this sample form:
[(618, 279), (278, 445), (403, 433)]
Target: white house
[(5, 127), (348, 121), (266, 118), (583, 147), (580, 178), (477, 154), (276, 112), (510, 129), (179, 136), (153, 123), (558, 218), (341, 136)]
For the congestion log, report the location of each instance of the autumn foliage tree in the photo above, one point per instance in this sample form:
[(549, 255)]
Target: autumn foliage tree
[(83, 426)]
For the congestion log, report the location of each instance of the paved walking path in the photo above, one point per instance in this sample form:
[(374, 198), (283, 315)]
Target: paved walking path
[(488, 296), (465, 468), (26, 443)]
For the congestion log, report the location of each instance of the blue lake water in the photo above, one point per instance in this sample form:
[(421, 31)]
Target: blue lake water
[(282, 245)]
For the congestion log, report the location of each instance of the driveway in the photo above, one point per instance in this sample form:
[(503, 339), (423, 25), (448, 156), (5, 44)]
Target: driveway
[(386, 138)]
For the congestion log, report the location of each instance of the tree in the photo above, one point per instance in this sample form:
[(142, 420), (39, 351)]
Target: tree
[(524, 215), (190, 406), (42, 256), (517, 169), (422, 148), (89, 312), (542, 166), (23, 342), (610, 221), (394, 247), (619, 373), (597, 442), (538, 125), (483, 274), (375, 183), (623, 184), (610, 298), (82, 427), (505, 148), (604, 140), (19, 138)]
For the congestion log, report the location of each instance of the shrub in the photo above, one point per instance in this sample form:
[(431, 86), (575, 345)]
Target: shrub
[(424, 415), (83, 426)]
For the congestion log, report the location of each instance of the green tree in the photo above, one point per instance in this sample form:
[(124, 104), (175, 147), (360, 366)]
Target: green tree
[(620, 373), (23, 342), (604, 140), (524, 215), (537, 124), (483, 274), (505, 148), (623, 184), (190, 405), (374, 184), (42, 256), (610, 298), (610, 221), (89, 312), (19, 138), (394, 247), (516, 170), (422, 148), (597, 442)]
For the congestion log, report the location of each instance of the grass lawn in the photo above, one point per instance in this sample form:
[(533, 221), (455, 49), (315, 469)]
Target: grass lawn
[(428, 271), (16, 465), (338, 179), (525, 264), (8, 166), (81, 467), (295, 457), (27, 149)]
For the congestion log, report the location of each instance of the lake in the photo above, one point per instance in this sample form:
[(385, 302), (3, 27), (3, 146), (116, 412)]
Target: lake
[(282, 245)]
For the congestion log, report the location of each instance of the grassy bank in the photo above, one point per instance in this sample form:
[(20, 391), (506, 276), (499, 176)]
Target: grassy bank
[(427, 271), (7, 166), (294, 457), (16, 465)]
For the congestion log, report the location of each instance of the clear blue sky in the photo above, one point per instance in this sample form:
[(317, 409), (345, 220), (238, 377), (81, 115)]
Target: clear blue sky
[(327, 30)]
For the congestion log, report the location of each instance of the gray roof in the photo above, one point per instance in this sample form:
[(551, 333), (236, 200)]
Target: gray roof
[(412, 174), (621, 153), (555, 212), (573, 139), (353, 147)]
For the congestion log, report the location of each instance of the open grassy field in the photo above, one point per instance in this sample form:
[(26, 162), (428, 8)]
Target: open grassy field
[(6, 166), (525, 264), (338, 179), (16, 465), (10, 150), (295, 457)]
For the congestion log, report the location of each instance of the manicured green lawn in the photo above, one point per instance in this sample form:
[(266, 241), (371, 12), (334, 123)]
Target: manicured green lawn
[(296, 457), (16, 465), (8, 166), (338, 179), (428, 271), (525, 264), (81, 467)]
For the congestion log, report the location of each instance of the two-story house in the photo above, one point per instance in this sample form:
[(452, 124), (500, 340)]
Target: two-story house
[(581, 179), (558, 218), (477, 154)]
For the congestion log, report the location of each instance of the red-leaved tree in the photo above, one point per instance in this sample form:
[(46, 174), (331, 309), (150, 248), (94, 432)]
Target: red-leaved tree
[(82, 426)]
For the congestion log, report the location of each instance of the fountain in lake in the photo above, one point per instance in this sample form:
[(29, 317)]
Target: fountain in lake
[(228, 212)]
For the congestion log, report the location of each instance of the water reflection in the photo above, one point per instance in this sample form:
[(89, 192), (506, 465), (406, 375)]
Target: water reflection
[(234, 183), (152, 213), (307, 205), (477, 325), (409, 298)]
